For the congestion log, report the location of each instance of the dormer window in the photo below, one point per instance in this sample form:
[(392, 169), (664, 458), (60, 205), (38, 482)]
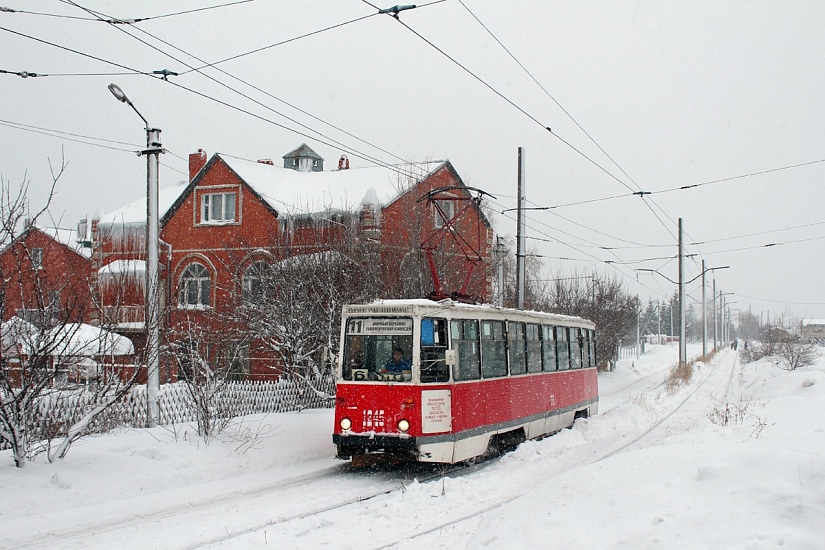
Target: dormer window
[(218, 208), (444, 212)]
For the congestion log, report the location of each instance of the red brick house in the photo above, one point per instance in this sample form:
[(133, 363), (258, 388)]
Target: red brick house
[(236, 215), (45, 277)]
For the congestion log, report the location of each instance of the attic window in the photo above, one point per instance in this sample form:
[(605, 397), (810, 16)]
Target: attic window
[(218, 208), (447, 207), (37, 258)]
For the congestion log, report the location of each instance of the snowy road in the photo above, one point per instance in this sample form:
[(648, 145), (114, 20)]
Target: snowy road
[(322, 502)]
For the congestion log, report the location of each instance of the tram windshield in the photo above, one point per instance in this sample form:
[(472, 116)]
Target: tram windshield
[(378, 348)]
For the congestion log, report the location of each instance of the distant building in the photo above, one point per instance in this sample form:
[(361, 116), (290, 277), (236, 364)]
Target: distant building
[(45, 277), (813, 329)]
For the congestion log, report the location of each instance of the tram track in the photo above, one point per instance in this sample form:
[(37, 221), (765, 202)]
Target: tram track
[(80, 532), (278, 506), (306, 517), (659, 425)]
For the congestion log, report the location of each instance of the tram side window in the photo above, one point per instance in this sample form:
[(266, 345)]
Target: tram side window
[(515, 336), (533, 348), (464, 335), (493, 349), (433, 347), (592, 343), (562, 349), (585, 343), (549, 347), (575, 348)]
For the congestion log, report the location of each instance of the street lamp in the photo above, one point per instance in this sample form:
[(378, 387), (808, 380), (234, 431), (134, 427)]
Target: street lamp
[(152, 152), (704, 310)]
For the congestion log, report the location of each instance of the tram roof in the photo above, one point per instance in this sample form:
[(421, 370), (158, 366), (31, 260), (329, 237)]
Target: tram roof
[(423, 306)]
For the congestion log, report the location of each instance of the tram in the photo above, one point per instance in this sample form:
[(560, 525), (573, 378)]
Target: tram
[(443, 381)]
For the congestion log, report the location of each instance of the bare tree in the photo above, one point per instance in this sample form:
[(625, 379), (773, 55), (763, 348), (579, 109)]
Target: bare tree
[(293, 309), (50, 359)]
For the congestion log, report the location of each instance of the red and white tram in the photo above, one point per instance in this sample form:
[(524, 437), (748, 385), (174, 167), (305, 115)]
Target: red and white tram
[(471, 378)]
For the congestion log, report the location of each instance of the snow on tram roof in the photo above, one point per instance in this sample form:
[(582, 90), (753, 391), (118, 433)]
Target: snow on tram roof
[(409, 306)]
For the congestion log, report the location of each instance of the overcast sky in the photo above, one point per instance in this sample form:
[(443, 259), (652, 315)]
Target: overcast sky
[(640, 96)]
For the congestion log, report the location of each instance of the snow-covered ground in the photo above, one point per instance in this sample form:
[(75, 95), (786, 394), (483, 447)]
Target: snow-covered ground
[(650, 471)]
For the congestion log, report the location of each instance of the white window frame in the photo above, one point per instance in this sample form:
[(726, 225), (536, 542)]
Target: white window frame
[(202, 282), (256, 272), (208, 208), (37, 258), (448, 206)]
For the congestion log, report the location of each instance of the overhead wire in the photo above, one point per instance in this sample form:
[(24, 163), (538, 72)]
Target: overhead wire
[(326, 139), (135, 71), (570, 116), (123, 21)]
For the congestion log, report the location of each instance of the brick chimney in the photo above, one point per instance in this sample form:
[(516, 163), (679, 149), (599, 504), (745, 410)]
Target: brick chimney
[(196, 162), (343, 163)]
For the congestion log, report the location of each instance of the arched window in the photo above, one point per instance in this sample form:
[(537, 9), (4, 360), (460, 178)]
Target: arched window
[(194, 286), (256, 280)]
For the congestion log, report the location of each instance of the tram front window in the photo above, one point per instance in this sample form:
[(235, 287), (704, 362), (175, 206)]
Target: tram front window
[(378, 349)]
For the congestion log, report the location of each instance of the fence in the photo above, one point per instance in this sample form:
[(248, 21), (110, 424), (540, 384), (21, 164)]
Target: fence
[(59, 410), (628, 352)]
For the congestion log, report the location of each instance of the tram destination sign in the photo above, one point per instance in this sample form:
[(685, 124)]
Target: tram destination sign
[(380, 326)]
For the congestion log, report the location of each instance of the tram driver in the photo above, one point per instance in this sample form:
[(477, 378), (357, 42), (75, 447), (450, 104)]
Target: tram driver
[(398, 364)]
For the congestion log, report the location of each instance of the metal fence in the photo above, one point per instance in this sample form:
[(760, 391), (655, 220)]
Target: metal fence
[(64, 408)]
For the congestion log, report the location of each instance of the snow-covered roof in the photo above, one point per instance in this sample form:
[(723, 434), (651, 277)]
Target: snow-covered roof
[(134, 213), (303, 151), (82, 339), (294, 193), (808, 322), (66, 237), (17, 336), (123, 267)]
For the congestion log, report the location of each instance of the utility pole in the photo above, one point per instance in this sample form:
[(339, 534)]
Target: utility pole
[(638, 314), (714, 315), (682, 341), (521, 222), (152, 153), (500, 251), (658, 323), (704, 315)]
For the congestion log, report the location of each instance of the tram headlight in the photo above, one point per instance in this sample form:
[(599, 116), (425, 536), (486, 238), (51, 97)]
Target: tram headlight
[(403, 425), (346, 424)]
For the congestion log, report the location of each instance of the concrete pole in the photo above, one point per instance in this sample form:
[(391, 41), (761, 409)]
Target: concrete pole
[(152, 152), (682, 339), (714, 316), (704, 315), (521, 222)]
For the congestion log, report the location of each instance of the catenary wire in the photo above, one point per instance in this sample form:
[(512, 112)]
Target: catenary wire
[(326, 139)]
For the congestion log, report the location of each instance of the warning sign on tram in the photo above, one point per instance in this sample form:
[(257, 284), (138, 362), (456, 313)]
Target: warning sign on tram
[(380, 326), (436, 411)]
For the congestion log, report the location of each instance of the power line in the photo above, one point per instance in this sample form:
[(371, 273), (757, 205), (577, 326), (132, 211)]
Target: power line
[(128, 21), (22, 126), (782, 301), (759, 233), (276, 44), (32, 130), (767, 245), (66, 48), (679, 188), (335, 143)]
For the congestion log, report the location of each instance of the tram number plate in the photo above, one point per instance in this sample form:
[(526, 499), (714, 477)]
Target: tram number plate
[(436, 411)]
